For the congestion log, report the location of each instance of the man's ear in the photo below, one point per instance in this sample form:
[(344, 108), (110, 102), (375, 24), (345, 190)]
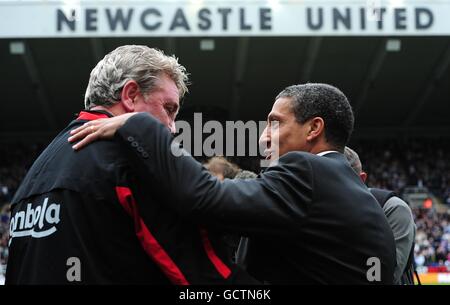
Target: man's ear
[(363, 176), (128, 95), (316, 128)]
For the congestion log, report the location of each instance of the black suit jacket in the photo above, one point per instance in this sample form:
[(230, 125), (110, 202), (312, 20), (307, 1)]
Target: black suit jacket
[(310, 218)]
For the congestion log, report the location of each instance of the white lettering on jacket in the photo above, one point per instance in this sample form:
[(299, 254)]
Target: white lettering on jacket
[(36, 222)]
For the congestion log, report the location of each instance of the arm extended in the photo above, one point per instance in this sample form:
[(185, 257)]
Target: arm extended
[(274, 202)]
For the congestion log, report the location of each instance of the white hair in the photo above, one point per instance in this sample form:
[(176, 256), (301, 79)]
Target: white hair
[(131, 62), (353, 159)]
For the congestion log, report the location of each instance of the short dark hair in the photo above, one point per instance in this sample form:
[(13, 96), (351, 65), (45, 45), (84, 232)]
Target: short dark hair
[(321, 100)]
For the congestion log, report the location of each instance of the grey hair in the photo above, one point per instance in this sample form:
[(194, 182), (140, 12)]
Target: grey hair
[(131, 62), (245, 174), (353, 158)]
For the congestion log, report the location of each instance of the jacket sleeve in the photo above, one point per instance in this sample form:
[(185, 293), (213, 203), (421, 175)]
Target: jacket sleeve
[(277, 201), (401, 221)]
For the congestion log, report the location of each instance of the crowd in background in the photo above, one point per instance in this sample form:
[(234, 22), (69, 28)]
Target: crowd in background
[(15, 159), (432, 238), (395, 164), (390, 164)]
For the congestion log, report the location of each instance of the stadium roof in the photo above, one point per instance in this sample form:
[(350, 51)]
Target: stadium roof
[(392, 90)]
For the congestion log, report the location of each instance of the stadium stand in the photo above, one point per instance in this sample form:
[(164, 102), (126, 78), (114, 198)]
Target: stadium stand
[(396, 164)]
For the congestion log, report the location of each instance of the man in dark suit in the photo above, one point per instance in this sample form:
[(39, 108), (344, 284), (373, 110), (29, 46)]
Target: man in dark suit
[(309, 216)]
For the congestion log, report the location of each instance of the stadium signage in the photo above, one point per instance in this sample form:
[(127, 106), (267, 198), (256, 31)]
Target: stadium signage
[(223, 18), (152, 19)]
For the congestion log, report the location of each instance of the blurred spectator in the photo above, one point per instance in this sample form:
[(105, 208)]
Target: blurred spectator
[(4, 232), (241, 251), (245, 174), (221, 168)]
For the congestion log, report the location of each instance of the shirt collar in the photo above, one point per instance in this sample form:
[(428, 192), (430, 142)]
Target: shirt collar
[(323, 153), (90, 115)]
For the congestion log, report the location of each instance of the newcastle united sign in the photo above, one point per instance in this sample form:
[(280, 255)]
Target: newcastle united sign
[(26, 19)]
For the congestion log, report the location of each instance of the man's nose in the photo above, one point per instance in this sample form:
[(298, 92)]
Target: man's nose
[(265, 137)]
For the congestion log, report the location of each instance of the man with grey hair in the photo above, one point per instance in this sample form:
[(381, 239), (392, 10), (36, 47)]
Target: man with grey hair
[(400, 218), (91, 217), (137, 79), (353, 158)]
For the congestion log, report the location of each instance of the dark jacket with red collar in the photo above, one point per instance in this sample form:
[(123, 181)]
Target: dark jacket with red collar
[(88, 217)]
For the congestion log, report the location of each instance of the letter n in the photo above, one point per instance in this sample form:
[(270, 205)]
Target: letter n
[(61, 19)]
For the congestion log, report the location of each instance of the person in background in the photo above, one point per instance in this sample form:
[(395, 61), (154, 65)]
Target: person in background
[(401, 221), (242, 247), (221, 168)]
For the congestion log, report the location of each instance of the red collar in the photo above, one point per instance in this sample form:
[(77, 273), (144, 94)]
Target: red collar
[(92, 115)]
